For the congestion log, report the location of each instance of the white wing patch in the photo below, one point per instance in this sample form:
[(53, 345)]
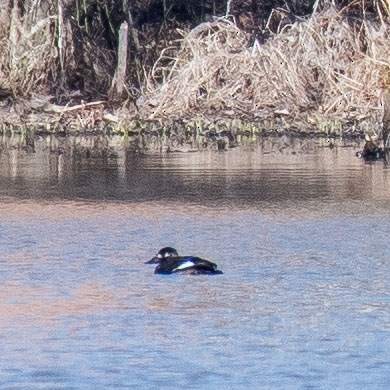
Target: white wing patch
[(185, 265)]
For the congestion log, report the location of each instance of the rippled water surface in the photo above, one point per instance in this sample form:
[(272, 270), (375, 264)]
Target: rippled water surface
[(301, 232)]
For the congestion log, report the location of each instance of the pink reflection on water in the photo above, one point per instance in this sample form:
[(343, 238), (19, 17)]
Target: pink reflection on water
[(21, 303)]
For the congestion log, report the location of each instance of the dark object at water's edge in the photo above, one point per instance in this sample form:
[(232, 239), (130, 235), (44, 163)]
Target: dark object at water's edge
[(372, 151)]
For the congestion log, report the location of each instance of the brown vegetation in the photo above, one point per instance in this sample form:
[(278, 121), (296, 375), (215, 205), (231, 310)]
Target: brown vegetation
[(327, 69), (308, 65)]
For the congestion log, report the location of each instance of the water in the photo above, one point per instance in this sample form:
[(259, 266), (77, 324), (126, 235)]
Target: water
[(301, 233)]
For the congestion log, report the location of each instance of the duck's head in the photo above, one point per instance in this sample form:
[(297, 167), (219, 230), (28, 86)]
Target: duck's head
[(163, 254)]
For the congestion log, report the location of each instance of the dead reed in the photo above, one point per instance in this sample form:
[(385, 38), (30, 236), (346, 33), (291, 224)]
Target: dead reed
[(326, 68), (28, 53)]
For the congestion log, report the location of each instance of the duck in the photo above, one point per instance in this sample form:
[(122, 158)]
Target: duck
[(169, 262)]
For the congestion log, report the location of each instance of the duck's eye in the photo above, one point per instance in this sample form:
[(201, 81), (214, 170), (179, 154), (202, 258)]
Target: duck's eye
[(159, 255)]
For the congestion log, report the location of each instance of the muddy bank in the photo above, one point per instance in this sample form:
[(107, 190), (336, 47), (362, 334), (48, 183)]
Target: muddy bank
[(100, 118), (108, 146)]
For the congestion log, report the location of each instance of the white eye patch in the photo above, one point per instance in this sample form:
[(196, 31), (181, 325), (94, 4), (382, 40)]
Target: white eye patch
[(185, 265), (159, 256)]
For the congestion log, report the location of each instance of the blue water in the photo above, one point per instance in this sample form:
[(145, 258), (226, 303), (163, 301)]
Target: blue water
[(303, 240)]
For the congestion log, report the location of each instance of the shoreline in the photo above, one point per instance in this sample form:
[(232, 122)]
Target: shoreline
[(212, 76), (92, 118), (106, 144)]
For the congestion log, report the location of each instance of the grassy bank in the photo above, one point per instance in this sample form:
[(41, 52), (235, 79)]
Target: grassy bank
[(324, 72)]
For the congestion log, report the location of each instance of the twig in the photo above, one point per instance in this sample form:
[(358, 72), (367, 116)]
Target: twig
[(61, 109)]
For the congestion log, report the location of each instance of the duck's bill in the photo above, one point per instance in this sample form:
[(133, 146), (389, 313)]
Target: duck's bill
[(154, 260)]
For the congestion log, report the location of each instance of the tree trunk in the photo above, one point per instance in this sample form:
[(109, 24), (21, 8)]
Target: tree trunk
[(118, 82)]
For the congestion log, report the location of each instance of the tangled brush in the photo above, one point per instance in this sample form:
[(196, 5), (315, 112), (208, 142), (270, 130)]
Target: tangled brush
[(327, 66)]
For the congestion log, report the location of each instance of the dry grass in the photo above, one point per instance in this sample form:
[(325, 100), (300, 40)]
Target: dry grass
[(28, 53), (327, 67)]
